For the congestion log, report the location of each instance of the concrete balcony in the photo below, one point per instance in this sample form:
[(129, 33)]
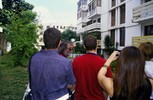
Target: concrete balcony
[(143, 12), (84, 7), (81, 30), (82, 20), (94, 12), (93, 27)]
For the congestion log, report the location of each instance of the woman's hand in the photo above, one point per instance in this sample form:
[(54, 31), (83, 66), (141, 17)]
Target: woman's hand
[(112, 57)]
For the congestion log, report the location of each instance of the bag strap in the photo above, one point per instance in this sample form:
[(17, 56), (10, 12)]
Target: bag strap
[(29, 70)]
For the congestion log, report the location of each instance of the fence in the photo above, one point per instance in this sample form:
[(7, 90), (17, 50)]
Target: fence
[(136, 41)]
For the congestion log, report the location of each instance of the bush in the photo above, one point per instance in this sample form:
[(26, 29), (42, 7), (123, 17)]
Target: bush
[(109, 45)]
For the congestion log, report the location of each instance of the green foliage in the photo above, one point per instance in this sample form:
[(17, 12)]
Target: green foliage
[(79, 48), (22, 34), (12, 6), (97, 35), (113, 66), (12, 80), (69, 34), (20, 30), (109, 46)]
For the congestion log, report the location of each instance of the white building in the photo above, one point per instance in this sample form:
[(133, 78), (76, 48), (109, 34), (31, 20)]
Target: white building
[(121, 19), (61, 27), (1, 8), (88, 16)]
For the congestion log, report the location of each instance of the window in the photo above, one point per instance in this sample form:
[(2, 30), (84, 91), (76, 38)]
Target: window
[(148, 30), (47, 27), (60, 27), (122, 14), (89, 22), (122, 0), (147, 1), (99, 20), (113, 18), (113, 3), (122, 36), (113, 36), (84, 2), (89, 7), (41, 33), (99, 3)]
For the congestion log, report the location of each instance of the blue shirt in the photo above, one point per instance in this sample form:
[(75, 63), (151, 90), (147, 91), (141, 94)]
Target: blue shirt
[(50, 74)]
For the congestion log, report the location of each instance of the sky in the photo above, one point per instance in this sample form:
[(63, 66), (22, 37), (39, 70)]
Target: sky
[(56, 11)]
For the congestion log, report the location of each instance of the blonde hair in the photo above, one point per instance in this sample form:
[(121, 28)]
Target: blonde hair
[(147, 49)]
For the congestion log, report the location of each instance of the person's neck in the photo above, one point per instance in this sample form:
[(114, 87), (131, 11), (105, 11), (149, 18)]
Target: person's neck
[(52, 49), (92, 51)]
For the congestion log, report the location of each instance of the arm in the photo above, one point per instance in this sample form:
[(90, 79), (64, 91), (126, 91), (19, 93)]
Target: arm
[(71, 87), (151, 81), (105, 82)]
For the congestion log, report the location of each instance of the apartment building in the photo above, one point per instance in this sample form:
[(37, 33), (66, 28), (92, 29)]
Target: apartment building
[(61, 27), (143, 14), (0, 8), (121, 19), (88, 17)]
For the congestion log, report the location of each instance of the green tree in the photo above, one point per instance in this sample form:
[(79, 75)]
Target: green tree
[(10, 7), (69, 34), (20, 30), (22, 34), (109, 46)]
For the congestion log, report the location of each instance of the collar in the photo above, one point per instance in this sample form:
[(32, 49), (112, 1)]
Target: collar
[(91, 53)]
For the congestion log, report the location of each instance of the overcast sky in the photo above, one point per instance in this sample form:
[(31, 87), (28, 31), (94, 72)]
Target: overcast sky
[(56, 11)]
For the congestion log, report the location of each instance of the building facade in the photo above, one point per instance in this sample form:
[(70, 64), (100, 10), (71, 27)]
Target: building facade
[(61, 27), (121, 19)]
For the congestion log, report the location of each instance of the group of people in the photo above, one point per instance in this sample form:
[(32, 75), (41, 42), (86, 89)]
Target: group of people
[(53, 75)]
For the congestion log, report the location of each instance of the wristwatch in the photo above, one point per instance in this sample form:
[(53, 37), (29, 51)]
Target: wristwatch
[(106, 66)]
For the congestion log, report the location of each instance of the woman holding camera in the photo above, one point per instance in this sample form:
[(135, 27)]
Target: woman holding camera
[(130, 82)]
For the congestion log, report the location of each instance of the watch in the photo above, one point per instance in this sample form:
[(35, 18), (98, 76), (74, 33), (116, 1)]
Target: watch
[(106, 66)]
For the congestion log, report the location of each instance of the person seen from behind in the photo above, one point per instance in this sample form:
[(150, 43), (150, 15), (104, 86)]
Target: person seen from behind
[(147, 49), (130, 82), (85, 68), (51, 74)]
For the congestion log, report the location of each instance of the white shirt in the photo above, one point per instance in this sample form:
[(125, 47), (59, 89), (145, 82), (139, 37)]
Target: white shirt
[(149, 69), (149, 72)]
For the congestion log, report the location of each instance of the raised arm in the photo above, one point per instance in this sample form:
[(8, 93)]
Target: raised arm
[(151, 80), (105, 82)]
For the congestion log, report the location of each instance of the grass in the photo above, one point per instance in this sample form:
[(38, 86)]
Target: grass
[(12, 80)]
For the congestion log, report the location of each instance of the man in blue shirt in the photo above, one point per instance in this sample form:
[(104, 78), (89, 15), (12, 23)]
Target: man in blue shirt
[(51, 74)]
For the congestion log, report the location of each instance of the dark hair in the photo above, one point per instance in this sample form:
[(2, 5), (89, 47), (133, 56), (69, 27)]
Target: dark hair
[(63, 46), (129, 73), (52, 37), (90, 42), (147, 50)]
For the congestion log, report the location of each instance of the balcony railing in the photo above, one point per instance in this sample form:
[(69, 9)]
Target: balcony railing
[(137, 40), (95, 26), (82, 30), (143, 12), (90, 28), (94, 12)]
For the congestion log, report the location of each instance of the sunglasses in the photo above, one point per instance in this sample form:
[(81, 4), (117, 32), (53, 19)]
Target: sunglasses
[(70, 49)]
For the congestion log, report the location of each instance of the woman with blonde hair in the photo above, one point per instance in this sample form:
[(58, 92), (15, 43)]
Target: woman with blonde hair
[(147, 49)]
